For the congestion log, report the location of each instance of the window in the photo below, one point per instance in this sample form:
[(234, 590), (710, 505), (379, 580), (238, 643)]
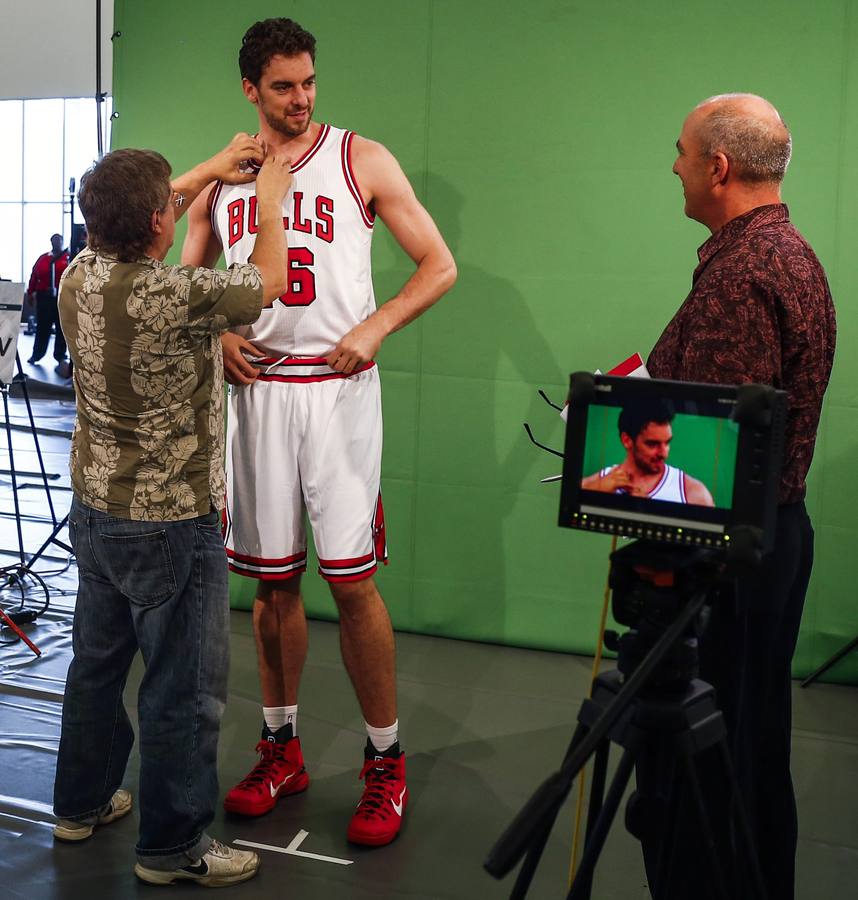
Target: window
[(45, 144)]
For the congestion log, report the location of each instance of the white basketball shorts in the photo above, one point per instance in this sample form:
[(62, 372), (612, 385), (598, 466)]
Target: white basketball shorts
[(305, 438)]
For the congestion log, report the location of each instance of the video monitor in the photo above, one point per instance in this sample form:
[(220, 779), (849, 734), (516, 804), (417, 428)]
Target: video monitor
[(693, 464)]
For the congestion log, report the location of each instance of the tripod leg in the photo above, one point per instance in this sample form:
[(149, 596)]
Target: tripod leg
[(740, 814), (580, 889), (528, 834), (597, 789), (597, 796), (672, 880), (705, 827), (667, 827), (531, 861)]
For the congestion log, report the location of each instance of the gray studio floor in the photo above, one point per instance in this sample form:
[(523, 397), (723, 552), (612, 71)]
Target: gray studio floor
[(482, 726)]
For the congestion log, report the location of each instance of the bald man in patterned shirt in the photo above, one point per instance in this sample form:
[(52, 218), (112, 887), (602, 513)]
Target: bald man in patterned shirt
[(760, 310)]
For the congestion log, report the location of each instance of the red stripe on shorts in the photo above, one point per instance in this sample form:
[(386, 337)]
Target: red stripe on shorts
[(262, 561), (346, 563)]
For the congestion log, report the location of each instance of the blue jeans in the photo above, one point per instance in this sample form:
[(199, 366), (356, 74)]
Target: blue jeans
[(160, 587)]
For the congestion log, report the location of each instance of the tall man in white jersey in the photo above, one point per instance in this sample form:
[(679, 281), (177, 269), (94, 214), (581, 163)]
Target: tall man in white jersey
[(305, 414), (646, 434)]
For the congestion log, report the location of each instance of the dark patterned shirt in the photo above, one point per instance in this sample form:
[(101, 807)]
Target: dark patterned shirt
[(759, 310)]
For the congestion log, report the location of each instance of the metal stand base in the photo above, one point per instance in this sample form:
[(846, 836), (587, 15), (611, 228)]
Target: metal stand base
[(843, 651)]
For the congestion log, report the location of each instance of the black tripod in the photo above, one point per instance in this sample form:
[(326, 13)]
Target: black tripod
[(663, 718)]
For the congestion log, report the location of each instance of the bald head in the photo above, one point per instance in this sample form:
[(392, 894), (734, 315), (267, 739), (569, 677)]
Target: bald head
[(749, 131)]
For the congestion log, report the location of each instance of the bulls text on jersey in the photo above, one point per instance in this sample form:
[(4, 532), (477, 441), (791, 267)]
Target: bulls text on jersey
[(307, 217), (329, 233)]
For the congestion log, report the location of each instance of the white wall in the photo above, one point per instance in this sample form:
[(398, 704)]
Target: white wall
[(47, 48)]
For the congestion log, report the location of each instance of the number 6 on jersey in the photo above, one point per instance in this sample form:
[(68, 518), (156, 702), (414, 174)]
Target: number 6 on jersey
[(302, 281)]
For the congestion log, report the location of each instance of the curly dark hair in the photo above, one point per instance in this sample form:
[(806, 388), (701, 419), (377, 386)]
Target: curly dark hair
[(117, 198), (272, 37), (633, 419)]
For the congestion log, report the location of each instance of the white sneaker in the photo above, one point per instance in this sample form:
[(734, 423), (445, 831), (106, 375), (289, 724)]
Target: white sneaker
[(219, 866), (70, 830)]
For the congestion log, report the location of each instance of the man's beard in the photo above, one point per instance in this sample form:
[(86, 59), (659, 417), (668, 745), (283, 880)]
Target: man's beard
[(282, 125), (650, 467)]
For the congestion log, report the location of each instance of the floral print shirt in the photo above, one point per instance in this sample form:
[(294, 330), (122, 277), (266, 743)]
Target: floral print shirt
[(759, 310), (148, 441)]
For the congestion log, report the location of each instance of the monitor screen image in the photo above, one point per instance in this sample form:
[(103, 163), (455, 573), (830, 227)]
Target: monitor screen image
[(650, 451), (671, 461)]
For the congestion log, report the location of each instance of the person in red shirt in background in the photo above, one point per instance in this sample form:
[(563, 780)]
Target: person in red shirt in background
[(43, 288)]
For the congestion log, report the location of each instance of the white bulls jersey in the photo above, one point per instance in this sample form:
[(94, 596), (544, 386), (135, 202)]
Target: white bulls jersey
[(329, 232), (671, 487)]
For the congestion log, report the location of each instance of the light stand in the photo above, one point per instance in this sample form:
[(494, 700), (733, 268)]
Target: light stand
[(20, 574), (843, 651)]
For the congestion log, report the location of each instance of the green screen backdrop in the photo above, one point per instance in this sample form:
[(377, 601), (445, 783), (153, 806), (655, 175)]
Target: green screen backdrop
[(541, 138)]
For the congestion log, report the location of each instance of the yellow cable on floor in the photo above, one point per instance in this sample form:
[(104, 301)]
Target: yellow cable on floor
[(582, 776)]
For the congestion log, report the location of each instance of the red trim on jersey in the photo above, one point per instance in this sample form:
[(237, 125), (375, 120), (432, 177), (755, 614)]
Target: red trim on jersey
[(305, 379), (660, 484), (682, 489), (263, 561), (346, 563), (378, 532), (214, 196), (297, 361), (305, 362), (314, 149), (324, 131), (348, 173)]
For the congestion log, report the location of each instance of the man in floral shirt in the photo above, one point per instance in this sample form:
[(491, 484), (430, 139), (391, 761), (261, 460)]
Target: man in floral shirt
[(147, 473)]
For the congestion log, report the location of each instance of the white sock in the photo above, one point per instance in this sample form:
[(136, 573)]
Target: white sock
[(383, 738), (278, 716)]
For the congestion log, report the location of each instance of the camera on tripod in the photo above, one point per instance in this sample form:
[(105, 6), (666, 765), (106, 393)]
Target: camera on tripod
[(691, 471), (717, 491)]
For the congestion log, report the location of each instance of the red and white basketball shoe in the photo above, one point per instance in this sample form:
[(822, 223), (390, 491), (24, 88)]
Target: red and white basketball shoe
[(378, 816), (279, 773)]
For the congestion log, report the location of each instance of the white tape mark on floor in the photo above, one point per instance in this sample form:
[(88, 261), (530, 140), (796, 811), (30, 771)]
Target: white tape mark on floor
[(293, 850)]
